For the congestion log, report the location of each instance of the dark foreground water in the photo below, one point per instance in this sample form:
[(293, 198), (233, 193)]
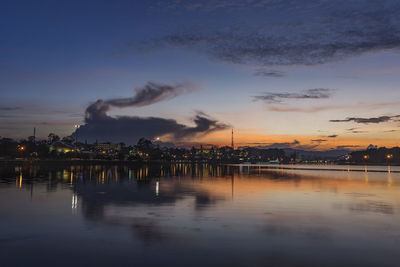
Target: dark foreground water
[(186, 215)]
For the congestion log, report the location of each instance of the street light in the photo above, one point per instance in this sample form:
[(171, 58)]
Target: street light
[(76, 126), (388, 158), (365, 157)]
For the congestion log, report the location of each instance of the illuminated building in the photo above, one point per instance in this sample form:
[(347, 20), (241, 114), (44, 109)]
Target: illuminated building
[(61, 147)]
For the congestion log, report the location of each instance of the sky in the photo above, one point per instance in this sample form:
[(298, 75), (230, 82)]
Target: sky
[(282, 73)]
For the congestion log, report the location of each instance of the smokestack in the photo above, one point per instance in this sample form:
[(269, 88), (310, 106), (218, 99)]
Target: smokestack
[(232, 145)]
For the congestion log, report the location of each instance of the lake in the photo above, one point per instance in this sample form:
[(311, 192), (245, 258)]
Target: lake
[(198, 215)]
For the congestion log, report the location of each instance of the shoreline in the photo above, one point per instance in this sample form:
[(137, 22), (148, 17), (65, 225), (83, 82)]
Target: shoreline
[(350, 168), (308, 166)]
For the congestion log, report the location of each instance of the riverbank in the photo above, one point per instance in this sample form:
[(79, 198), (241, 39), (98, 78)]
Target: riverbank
[(117, 161), (326, 167)]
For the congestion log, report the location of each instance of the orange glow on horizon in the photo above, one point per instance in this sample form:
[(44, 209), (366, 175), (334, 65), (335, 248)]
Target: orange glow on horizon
[(351, 142)]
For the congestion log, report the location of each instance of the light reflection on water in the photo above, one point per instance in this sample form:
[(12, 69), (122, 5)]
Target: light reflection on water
[(197, 215)]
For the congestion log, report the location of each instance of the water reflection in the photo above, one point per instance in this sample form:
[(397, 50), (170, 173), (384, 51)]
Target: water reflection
[(199, 215)]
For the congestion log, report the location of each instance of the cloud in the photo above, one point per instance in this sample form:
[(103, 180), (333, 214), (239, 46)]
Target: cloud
[(333, 136), (348, 147), (284, 145), (316, 93), (319, 140), (269, 73), (102, 127), (286, 32), (211, 5), (351, 129), (357, 106), (9, 108), (379, 119), (278, 145), (151, 93), (356, 130), (129, 129), (204, 125), (304, 110)]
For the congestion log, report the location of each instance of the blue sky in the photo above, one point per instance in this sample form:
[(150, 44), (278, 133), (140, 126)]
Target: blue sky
[(59, 57)]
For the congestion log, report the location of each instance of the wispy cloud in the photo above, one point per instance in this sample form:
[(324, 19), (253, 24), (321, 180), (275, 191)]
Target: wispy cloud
[(348, 147), (273, 98), (293, 32), (356, 106), (304, 110), (6, 108), (356, 130), (318, 140), (295, 144), (151, 93), (379, 119), (212, 5), (269, 73)]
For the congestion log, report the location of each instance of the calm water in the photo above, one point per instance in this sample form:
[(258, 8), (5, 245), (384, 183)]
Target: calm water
[(186, 215)]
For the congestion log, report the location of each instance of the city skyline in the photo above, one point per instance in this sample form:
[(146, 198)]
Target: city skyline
[(310, 75)]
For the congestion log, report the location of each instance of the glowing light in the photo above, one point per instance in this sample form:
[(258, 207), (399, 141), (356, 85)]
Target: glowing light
[(74, 201), (19, 181)]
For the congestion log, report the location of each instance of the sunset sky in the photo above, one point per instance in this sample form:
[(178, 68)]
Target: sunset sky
[(282, 73)]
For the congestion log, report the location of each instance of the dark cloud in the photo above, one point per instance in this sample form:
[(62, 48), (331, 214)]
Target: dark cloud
[(287, 32), (316, 93), (358, 106), (351, 129), (10, 108), (357, 132), (126, 129), (319, 140), (348, 147), (277, 145), (333, 136), (368, 120), (304, 110), (285, 145), (211, 5), (204, 125), (102, 127), (269, 73), (151, 93)]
